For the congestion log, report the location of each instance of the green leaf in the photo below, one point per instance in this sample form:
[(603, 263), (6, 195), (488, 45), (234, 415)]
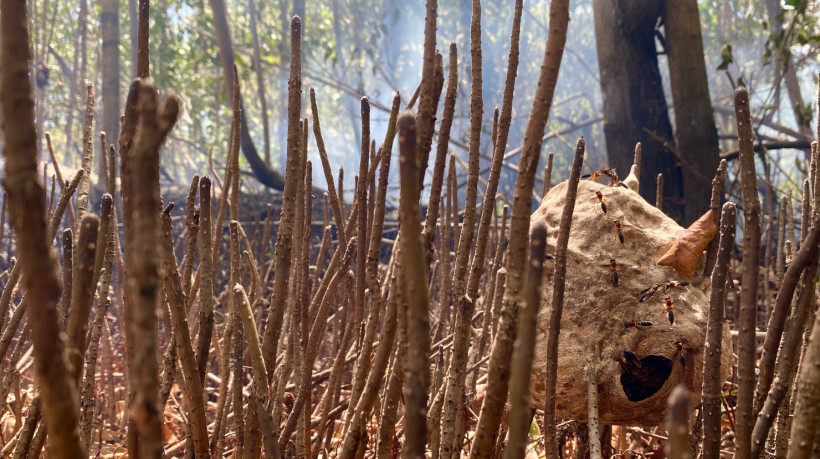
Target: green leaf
[(534, 430), (802, 36), (726, 57)]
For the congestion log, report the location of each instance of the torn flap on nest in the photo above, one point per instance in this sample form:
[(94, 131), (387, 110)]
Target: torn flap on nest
[(689, 245)]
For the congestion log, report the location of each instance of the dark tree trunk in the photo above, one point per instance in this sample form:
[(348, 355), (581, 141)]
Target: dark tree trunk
[(261, 171), (695, 129), (110, 69), (634, 105)]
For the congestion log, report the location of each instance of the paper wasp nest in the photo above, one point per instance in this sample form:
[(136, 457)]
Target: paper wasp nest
[(638, 364)]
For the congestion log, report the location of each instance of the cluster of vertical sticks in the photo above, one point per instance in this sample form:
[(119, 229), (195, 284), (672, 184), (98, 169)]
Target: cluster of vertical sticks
[(347, 355)]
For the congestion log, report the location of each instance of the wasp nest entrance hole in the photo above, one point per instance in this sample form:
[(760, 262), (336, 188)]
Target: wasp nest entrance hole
[(642, 378), (643, 348)]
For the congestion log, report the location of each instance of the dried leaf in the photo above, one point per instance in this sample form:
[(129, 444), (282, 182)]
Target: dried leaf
[(689, 245)]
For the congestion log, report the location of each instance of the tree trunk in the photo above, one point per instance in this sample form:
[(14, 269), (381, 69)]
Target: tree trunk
[(260, 81), (110, 68), (695, 129), (263, 173), (773, 9), (299, 10), (634, 105)]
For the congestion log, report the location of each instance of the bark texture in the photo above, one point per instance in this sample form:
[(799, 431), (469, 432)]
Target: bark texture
[(634, 105), (695, 130)]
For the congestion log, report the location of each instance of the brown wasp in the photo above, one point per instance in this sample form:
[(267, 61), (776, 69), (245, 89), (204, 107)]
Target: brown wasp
[(600, 198), (594, 176), (673, 284), (669, 309), (609, 173), (637, 323), (648, 292), (620, 229), (614, 270)]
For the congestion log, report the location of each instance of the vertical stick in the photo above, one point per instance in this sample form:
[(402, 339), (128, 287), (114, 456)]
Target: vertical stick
[(335, 199), (142, 40), (68, 280), (780, 259), (88, 155), (547, 176), (26, 197), (284, 236), (677, 424), (82, 293), (592, 407), (717, 195), (192, 230), (441, 154), (558, 286), (89, 400), (520, 414), (361, 197), (429, 90), (142, 267), (712, 383), (636, 161), (106, 214), (206, 292), (260, 377), (751, 264), (659, 193), (417, 371), (452, 193), (190, 375)]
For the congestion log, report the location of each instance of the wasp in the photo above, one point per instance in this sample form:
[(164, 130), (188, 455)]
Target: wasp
[(620, 229), (648, 292), (609, 173), (613, 269), (637, 323), (673, 284), (679, 351), (594, 176), (613, 177), (600, 198), (629, 362), (669, 309)]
